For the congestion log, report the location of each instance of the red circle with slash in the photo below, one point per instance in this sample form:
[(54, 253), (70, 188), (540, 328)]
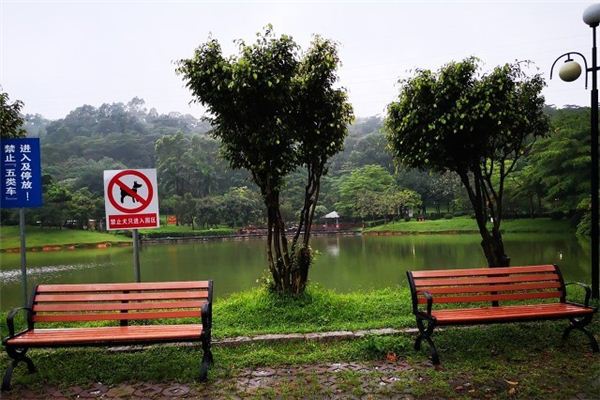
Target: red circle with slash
[(116, 180)]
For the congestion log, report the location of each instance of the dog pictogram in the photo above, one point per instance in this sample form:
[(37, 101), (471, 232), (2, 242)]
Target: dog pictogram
[(134, 189)]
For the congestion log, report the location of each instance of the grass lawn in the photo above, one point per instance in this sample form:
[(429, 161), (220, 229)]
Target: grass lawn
[(185, 230), (468, 224), (526, 360), (38, 237)]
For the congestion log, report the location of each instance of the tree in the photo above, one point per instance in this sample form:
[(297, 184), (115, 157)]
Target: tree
[(11, 121), (275, 110), (561, 162), (476, 125), (358, 190)]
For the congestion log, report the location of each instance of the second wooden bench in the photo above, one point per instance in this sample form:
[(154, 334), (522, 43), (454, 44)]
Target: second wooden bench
[(523, 287), (151, 302)]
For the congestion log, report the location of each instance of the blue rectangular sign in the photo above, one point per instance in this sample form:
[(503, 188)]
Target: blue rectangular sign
[(20, 173)]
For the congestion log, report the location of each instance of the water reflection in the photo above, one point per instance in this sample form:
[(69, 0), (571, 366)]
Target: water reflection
[(342, 263)]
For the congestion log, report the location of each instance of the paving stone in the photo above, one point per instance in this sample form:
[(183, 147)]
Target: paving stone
[(338, 335), (147, 390), (176, 391), (121, 391), (264, 372), (94, 392)]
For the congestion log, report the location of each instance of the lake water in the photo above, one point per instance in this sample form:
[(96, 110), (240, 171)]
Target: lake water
[(343, 263)]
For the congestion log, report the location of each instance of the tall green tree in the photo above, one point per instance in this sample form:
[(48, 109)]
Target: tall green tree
[(476, 125), (275, 109), (11, 120)]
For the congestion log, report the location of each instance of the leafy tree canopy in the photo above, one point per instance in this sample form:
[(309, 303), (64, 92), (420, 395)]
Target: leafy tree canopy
[(476, 125), (275, 109), (11, 120)]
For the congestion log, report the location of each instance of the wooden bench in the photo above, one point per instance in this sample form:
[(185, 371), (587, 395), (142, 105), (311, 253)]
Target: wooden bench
[(151, 302), (523, 287)]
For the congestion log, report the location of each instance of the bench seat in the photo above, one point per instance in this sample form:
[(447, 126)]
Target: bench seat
[(509, 313), (533, 293), (107, 335)]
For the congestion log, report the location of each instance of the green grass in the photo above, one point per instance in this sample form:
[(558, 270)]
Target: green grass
[(39, 237), (185, 231), (468, 225), (257, 311), (479, 359)]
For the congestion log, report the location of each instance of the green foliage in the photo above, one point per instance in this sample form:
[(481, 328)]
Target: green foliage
[(11, 120), (371, 191), (561, 162), (476, 125), (275, 111)]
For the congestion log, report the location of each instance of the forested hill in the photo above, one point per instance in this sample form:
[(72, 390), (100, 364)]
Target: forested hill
[(125, 133), (77, 148), (362, 182)]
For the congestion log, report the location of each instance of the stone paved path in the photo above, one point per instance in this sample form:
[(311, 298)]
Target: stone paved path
[(369, 380), (365, 381)]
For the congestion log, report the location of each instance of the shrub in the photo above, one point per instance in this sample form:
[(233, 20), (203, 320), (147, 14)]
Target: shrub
[(557, 215), (448, 216)]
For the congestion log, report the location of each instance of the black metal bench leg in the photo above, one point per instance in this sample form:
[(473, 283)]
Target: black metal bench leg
[(567, 331), (207, 359), (418, 342), (425, 334), (17, 355), (580, 325)]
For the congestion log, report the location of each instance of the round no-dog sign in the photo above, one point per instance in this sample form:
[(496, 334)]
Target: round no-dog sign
[(131, 199)]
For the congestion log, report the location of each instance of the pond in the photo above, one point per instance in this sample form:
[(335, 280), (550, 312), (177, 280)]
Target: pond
[(343, 263)]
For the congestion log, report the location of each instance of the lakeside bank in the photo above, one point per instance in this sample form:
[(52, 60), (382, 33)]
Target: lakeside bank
[(52, 239)]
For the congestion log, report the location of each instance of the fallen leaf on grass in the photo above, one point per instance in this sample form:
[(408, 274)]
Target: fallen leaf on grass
[(391, 357), (511, 382), (512, 391)]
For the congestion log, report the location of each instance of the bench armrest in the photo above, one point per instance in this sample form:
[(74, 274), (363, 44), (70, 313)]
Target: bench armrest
[(11, 316), (588, 291), (206, 315), (429, 298)]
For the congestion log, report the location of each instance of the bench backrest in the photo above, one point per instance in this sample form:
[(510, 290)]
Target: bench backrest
[(120, 301), (487, 284)]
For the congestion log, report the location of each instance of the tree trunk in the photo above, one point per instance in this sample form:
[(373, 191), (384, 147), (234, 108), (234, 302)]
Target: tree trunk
[(494, 252)]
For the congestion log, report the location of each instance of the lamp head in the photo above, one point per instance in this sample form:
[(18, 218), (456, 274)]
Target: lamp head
[(591, 15), (569, 71)]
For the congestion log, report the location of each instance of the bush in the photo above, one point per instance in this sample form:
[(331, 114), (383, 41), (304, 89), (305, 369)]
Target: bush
[(557, 215), (584, 227), (406, 219), (448, 216)]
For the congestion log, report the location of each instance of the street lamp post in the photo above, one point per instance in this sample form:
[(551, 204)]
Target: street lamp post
[(569, 72)]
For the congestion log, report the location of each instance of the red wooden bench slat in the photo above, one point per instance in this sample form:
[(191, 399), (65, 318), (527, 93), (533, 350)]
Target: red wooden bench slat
[(488, 288), (111, 287), (118, 334), (65, 307), (483, 271), (115, 316), (40, 298), (492, 297), (485, 280), (506, 313)]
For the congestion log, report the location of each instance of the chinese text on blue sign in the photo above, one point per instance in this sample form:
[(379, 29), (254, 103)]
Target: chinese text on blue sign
[(20, 173)]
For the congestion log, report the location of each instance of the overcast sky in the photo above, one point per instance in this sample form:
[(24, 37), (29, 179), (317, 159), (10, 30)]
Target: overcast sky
[(58, 55)]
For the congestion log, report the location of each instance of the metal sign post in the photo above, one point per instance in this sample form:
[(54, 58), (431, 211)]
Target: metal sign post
[(136, 256), (23, 257), (21, 186)]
